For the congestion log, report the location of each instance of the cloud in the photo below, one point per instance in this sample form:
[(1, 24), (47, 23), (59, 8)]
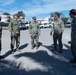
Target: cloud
[(49, 6), (6, 2), (40, 7)]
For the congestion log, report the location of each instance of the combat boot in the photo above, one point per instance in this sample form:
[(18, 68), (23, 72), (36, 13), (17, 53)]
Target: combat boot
[(17, 49), (12, 51), (60, 51), (32, 47), (1, 57), (36, 47), (73, 60)]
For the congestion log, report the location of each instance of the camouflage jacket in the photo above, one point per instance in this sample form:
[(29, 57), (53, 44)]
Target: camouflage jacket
[(73, 29), (34, 28), (73, 24), (58, 26), (14, 26)]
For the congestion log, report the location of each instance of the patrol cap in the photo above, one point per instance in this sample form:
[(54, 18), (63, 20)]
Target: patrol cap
[(34, 17)]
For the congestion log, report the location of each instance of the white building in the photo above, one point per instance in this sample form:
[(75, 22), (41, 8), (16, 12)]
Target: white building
[(46, 20), (4, 17)]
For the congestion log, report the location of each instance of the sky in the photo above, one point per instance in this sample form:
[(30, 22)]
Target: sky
[(38, 8)]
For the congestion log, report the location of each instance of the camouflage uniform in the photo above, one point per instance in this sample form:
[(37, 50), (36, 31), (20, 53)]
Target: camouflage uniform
[(8, 20), (14, 27), (58, 27), (73, 37), (34, 29)]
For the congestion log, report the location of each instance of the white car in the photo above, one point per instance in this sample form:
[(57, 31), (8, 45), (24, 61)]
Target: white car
[(45, 25), (27, 24), (68, 24)]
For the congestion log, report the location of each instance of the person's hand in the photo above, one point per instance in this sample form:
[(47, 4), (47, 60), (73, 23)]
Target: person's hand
[(13, 33), (51, 33), (30, 35), (39, 34)]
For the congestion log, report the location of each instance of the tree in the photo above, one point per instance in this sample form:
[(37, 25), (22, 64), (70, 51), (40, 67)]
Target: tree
[(20, 14), (6, 13), (51, 14), (64, 19)]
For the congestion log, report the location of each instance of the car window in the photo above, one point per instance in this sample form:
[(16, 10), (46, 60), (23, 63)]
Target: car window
[(22, 23), (26, 23), (68, 23), (40, 24)]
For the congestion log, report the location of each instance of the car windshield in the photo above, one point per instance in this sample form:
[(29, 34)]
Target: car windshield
[(40, 24), (22, 23), (45, 23), (68, 23)]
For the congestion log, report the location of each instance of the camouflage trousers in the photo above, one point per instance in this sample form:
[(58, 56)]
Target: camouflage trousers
[(34, 40), (58, 37), (15, 38)]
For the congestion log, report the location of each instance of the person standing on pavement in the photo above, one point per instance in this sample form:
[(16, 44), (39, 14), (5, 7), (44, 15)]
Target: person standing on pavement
[(15, 33), (57, 30), (34, 31), (0, 37), (73, 34)]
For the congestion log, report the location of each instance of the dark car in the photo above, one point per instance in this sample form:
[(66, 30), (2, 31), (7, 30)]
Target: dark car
[(68, 24), (22, 26), (3, 24)]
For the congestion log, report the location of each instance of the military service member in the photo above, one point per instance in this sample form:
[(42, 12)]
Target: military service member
[(73, 34), (58, 27), (15, 33), (34, 31)]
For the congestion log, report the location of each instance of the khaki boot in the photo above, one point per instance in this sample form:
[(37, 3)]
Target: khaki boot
[(18, 50), (32, 47), (36, 47)]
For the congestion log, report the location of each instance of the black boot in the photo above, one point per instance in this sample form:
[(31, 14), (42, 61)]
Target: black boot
[(1, 57), (60, 51), (73, 60), (12, 51)]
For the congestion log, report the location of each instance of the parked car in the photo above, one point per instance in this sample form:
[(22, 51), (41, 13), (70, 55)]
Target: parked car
[(22, 26), (45, 25), (4, 24), (41, 25), (68, 24), (27, 25)]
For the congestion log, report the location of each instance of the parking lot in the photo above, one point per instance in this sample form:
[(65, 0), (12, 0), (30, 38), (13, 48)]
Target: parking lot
[(36, 62)]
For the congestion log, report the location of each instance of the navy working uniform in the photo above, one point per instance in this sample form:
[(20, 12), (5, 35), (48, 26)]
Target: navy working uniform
[(14, 28), (58, 28), (34, 30)]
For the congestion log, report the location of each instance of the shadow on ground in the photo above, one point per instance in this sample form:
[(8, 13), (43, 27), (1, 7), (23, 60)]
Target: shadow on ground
[(9, 52), (54, 65)]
